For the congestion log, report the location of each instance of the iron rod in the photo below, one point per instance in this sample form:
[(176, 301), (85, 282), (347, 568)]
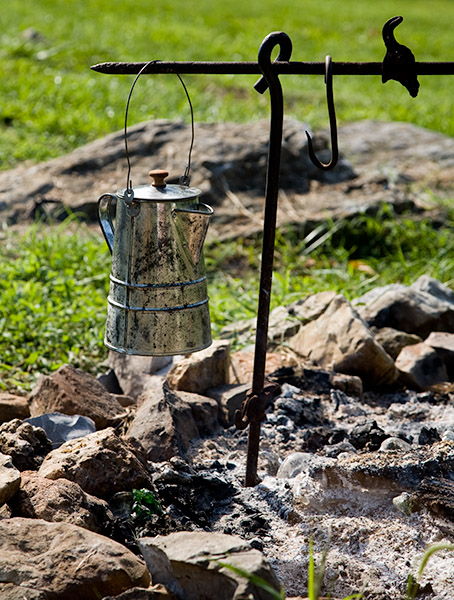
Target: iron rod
[(252, 68), (269, 234)]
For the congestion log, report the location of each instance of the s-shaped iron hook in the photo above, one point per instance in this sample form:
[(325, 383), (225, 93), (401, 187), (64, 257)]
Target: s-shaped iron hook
[(332, 123)]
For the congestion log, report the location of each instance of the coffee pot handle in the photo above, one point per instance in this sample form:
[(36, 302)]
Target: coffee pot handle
[(105, 218)]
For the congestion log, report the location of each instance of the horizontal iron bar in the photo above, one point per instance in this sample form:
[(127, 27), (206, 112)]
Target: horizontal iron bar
[(252, 68)]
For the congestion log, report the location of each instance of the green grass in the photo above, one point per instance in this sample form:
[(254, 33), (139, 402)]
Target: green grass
[(54, 281), (52, 102)]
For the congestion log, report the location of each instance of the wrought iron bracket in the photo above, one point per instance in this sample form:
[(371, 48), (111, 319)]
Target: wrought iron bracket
[(399, 64)]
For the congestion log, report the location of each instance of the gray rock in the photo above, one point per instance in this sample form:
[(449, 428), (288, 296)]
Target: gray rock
[(201, 370), (393, 341), (73, 392), (302, 462), (101, 463), (394, 443), (27, 445), (340, 340), (61, 428), (230, 399), (421, 308), (13, 407), (187, 563), (227, 157), (284, 321), (138, 374), (443, 344), (420, 366), (349, 384), (65, 562), (60, 501), (10, 479), (164, 425)]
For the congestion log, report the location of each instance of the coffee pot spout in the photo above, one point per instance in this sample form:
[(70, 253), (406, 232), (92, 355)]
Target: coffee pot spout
[(192, 225)]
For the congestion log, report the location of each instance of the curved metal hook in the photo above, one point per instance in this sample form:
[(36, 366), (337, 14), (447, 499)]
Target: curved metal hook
[(332, 123), (276, 38)]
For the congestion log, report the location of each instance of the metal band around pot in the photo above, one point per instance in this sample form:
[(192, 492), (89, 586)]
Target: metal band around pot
[(147, 309), (157, 285)]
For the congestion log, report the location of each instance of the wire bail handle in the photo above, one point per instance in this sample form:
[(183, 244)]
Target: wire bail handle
[(185, 178)]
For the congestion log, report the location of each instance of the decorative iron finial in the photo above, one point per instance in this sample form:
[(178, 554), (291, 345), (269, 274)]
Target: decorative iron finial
[(399, 62)]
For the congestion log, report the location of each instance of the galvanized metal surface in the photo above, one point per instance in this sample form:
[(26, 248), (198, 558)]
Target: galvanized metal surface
[(158, 301)]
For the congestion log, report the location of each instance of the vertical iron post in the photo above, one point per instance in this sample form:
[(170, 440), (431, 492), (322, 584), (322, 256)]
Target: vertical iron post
[(269, 79)]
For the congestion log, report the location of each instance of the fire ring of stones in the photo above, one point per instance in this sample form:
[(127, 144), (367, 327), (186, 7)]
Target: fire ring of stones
[(130, 485)]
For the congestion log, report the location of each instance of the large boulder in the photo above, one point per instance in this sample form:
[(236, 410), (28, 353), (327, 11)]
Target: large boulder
[(101, 463), (340, 340), (65, 562), (188, 564), (73, 392)]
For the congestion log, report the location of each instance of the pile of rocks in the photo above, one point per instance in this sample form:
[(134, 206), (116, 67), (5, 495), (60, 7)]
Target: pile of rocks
[(130, 486)]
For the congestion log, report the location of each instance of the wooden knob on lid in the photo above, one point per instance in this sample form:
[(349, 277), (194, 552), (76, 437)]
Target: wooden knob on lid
[(158, 176)]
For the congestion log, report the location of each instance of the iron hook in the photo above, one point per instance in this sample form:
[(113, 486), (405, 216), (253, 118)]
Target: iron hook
[(332, 123)]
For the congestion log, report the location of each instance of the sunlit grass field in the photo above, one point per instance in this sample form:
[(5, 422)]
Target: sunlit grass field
[(52, 102)]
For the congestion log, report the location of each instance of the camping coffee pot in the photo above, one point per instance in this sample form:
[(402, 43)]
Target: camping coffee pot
[(158, 303)]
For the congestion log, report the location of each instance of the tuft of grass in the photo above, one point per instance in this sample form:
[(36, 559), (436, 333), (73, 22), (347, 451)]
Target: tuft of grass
[(53, 288)]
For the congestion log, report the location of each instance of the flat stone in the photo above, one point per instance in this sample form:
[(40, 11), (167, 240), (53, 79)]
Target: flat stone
[(66, 562), (187, 563), (13, 407), (61, 428), (60, 501), (164, 424), (101, 463), (420, 366), (202, 370), (27, 445), (340, 340), (73, 392), (10, 479)]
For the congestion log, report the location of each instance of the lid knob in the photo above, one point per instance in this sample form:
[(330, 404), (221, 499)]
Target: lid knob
[(158, 176)]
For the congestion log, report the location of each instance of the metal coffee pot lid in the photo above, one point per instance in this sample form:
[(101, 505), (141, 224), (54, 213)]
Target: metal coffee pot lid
[(160, 191)]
